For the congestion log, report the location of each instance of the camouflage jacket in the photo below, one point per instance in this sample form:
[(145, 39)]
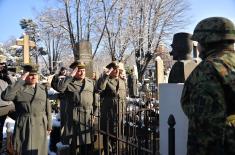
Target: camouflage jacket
[(207, 99)]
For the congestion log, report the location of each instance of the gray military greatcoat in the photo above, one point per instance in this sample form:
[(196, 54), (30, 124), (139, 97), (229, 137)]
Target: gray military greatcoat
[(112, 102), (33, 117), (79, 98)]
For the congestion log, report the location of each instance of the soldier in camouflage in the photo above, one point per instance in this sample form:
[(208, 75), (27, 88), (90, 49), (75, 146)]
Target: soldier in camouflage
[(208, 97)]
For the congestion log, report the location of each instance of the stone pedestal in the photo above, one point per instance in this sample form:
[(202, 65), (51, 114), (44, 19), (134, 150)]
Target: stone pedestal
[(169, 102)]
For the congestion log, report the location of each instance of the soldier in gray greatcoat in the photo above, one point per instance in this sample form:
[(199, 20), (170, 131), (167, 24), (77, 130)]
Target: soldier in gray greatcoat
[(33, 121), (112, 90), (79, 97)]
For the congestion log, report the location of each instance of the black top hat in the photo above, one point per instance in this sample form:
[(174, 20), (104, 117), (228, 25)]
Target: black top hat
[(181, 45), (181, 37)]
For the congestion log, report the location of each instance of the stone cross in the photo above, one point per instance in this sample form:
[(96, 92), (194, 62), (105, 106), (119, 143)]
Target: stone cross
[(26, 43)]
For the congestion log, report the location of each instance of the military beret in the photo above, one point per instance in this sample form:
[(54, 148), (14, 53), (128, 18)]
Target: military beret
[(31, 68), (113, 64), (79, 64), (3, 59)]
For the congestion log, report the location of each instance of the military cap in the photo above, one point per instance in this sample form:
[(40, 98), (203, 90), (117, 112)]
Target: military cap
[(3, 59), (113, 64), (31, 68), (79, 64)]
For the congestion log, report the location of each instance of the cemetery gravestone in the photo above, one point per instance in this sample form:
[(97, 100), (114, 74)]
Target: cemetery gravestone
[(85, 54)]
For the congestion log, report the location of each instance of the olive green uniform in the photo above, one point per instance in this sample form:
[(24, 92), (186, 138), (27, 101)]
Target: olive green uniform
[(33, 117), (79, 97), (112, 104)]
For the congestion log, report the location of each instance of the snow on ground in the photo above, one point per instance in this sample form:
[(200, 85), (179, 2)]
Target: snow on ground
[(12, 123)]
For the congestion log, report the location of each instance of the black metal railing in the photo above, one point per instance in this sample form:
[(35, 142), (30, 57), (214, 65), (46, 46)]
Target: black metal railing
[(135, 132), (171, 135)]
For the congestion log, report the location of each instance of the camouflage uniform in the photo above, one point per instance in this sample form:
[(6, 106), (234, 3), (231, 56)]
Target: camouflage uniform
[(208, 97)]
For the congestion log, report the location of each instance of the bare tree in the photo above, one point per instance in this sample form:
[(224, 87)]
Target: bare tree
[(139, 26), (53, 37), (82, 22), (121, 28), (153, 22)]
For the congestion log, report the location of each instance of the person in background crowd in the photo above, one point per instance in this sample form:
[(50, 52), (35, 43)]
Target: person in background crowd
[(208, 97), (132, 83), (33, 121), (79, 96), (7, 108), (58, 78)]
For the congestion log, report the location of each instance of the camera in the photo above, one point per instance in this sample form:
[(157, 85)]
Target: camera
[(4, 72)]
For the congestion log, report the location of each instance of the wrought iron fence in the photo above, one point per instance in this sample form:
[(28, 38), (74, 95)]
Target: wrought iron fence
[(134, 132)]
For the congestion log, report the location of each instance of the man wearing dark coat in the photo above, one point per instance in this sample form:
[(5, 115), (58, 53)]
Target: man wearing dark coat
[(112, 90), (132, 84), (63, 109), (33, 121), (79, 97)]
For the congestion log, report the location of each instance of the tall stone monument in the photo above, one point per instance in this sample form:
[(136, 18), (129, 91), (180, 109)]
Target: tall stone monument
[(159, 73), (182, 46), (85, 54)]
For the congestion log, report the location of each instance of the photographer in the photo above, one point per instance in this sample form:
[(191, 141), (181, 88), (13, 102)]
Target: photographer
[(6, 108)]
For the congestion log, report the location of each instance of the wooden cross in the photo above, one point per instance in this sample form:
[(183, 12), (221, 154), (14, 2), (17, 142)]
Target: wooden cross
[(26, 43)]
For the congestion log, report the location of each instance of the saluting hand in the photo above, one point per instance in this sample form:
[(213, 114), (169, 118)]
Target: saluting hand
[(74, 72), (108, 71), (48, 131), (24, 75)]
